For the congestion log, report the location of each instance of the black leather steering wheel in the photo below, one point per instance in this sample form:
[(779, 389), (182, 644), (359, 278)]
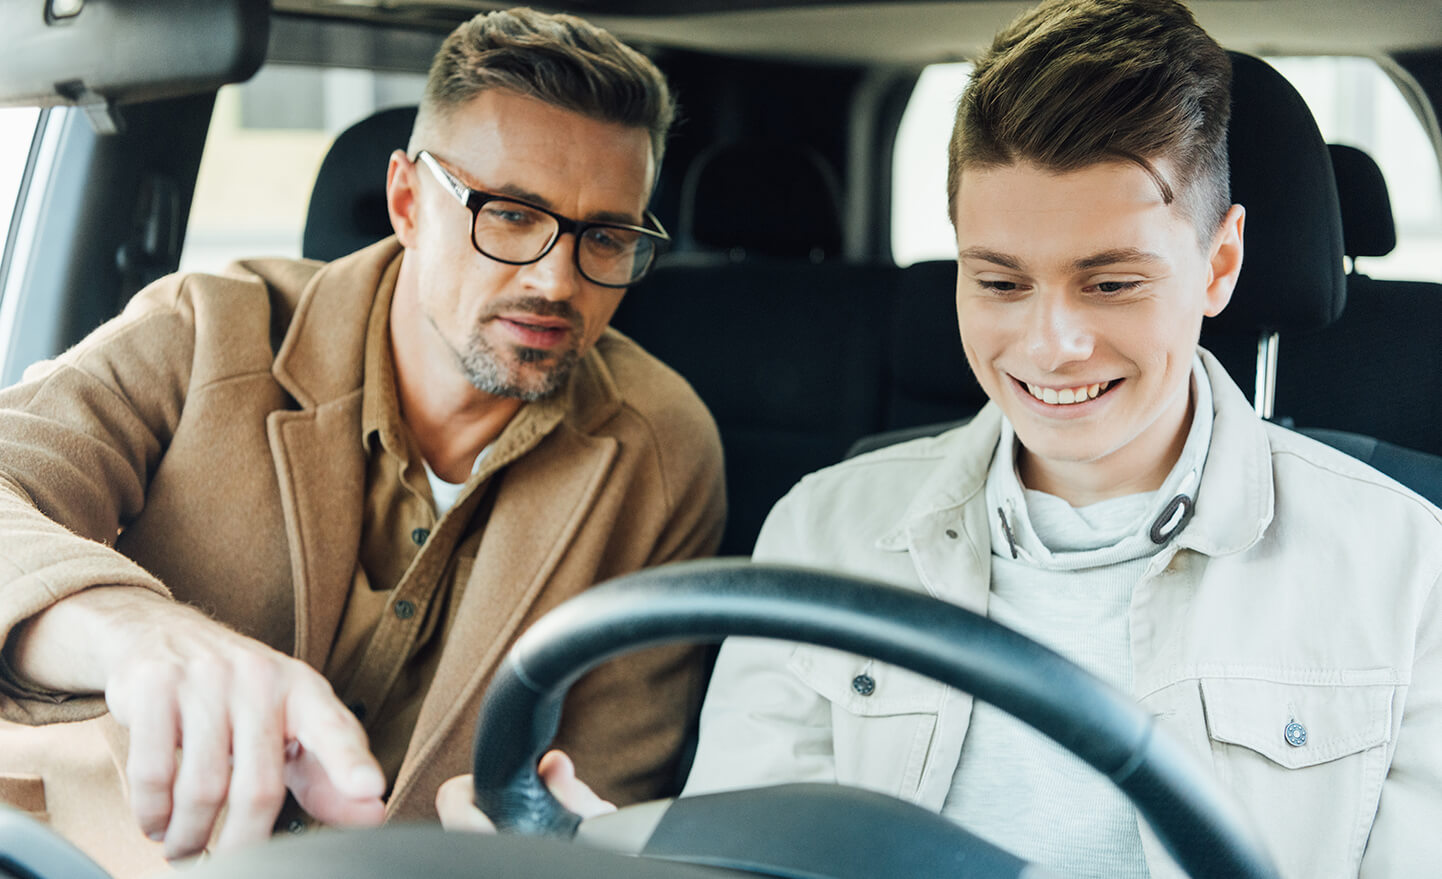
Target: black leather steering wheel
[(707, 600)]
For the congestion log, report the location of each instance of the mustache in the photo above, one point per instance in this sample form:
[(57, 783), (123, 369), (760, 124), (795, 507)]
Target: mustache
[(539, 306)]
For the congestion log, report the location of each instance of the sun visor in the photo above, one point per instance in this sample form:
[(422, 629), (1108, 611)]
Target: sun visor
[(99, 54)]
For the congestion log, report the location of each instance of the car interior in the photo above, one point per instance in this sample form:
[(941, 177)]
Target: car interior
[(781, 299)]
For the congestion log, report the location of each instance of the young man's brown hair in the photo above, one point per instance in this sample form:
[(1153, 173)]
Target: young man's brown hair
[(1073, 83), (559, 59)]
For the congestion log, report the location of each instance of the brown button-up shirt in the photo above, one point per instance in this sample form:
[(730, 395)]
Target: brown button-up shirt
[(413, 565)]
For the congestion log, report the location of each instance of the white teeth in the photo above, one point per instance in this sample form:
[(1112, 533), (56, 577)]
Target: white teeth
[(1067, 396)]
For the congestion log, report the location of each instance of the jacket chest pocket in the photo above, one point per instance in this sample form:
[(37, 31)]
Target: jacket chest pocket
[(1307, 761), (883, 718)]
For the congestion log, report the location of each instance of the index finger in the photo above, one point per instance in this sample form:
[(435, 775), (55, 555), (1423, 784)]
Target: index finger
[(331, 734)]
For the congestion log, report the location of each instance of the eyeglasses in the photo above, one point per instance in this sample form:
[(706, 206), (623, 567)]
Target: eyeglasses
[(518, 233)]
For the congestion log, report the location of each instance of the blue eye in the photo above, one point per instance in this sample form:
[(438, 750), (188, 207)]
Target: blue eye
[(610, 239)]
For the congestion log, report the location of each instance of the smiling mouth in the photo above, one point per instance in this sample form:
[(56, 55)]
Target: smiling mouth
[(1069, 396)]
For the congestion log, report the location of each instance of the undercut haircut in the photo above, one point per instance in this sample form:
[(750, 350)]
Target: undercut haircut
[(1075, 83), (562, 60)]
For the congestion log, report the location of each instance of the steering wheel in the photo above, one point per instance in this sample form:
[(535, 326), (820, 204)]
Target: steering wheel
[(706, 600), (787, 831)]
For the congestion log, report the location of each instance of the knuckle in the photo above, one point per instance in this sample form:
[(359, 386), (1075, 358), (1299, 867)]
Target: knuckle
[(258, 793), (207, 791)]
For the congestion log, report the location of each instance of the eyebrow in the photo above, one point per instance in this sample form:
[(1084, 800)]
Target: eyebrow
[(1096, 260), (516, 192), (991, 256), (1118, 255)]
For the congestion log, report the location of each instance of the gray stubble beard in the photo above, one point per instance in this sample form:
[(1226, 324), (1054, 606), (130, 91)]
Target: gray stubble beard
[(486, 371)]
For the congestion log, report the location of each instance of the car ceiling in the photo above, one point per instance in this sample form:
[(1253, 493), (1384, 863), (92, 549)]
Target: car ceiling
[(910, 33)]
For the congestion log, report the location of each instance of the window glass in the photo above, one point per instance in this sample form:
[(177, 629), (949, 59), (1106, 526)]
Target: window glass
[(1353, 100), (920, 228), (17, 130), (266, 142)]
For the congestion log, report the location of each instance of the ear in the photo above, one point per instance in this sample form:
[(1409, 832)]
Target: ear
[(1225, 262), (402, 197)]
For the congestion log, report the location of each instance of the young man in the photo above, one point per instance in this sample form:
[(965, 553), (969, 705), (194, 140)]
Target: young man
[(285, 522), (1271, 601)]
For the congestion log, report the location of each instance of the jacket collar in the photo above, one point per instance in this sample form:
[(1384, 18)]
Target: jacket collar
[(1235, 499), (1234, 503)]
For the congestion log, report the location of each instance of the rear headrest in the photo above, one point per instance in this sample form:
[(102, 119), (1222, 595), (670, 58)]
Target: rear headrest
[(348, 201), (755, 198), (1367, 226), (1292, 276)]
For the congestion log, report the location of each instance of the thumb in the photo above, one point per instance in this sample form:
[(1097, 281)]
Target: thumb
[(559, 774)]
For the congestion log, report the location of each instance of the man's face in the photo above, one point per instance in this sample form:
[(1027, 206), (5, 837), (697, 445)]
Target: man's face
[(1080, 297), (513, 331)]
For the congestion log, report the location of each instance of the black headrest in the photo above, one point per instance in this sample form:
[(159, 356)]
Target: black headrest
[(1292, 276), (764, 199), (1367, 226), (348, 202)]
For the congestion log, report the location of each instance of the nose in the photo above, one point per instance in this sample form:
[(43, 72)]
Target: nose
[(555, 275), (1058, 331)]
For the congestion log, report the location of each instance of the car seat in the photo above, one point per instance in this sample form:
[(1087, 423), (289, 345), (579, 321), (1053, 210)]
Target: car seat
[(348, 199), (1378, 369), (782, 340)]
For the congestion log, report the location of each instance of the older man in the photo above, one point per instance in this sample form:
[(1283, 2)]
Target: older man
[(283, 522)]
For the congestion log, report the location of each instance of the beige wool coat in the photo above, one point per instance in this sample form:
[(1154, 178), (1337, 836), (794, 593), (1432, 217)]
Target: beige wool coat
[(206, 444)]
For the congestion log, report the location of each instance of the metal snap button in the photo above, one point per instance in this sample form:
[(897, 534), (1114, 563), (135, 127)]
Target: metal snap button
[(863, 684), (418, 536), (404, 609), (1296, 734), (296, 826)]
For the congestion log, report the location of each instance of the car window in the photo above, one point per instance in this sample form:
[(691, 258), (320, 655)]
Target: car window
[(920, 228), (17, 129), (266, 141), (1354, 100)]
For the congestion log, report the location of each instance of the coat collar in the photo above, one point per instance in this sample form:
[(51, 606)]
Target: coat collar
[(1234, 503)]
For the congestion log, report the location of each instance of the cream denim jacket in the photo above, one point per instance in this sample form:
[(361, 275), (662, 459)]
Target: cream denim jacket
[(1304, 589)]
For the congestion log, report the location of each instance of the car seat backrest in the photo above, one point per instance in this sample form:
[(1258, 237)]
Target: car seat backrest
[(1378, 369), (1368, 228), (348, 200), (1292, 274), (759, 199), (928, 378), (788, 356)]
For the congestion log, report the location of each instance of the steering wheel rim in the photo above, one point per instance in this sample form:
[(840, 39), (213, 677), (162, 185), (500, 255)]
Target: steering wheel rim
[(712, 599)]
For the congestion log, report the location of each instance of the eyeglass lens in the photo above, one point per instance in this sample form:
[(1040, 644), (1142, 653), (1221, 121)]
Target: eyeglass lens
[(516, 232)]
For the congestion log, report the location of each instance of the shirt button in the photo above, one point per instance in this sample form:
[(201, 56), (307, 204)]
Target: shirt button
[(1296, 734), (951, 532), (404, 609), (863, 684), (418, 536), (296, 826)]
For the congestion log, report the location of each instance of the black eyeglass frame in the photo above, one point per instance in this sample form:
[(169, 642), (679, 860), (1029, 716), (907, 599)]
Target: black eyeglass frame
[(475, 199)]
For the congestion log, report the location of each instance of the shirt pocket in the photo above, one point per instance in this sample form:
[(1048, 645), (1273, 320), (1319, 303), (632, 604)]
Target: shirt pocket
[(1307, 761), (883, 718)]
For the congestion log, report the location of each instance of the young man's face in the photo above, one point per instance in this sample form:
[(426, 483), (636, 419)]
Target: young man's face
[(1080, 297), (514, 331)]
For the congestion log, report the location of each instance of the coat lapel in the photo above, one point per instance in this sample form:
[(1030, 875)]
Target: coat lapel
[(322, 484), (319, 457)]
